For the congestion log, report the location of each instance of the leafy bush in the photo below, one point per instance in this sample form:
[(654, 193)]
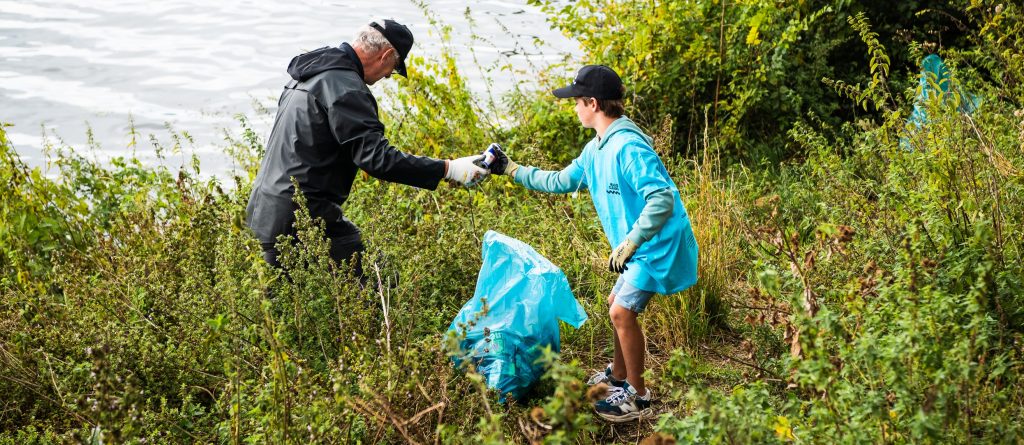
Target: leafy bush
[(903, 268), (748, 68)]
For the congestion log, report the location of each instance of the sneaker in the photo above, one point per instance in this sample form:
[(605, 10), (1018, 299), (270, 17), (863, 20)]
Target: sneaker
[(605, 377), (623, 404)]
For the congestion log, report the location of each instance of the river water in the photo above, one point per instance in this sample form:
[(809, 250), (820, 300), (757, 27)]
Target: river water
[(69, 68)]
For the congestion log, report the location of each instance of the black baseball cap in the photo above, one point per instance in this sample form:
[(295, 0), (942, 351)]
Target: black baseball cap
[(399, 36), (597, 81)]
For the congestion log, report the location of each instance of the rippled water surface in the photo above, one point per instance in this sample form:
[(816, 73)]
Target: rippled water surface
[(70, 66)]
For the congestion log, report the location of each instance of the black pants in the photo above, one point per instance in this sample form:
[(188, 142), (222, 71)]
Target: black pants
[(345, 249)]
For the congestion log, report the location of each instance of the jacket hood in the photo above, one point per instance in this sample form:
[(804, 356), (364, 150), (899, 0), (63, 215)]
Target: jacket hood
[(623, 124), (304, 66)]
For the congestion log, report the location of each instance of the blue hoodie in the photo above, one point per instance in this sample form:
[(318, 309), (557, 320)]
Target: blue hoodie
[(635, 198)]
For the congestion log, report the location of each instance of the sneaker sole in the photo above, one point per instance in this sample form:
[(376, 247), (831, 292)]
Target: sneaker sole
[(645, 413), (609, 383)]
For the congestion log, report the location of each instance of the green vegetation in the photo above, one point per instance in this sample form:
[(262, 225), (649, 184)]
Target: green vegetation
[(852, 290)]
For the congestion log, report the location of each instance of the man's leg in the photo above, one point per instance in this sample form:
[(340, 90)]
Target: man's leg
[(347, 245), (630, 345), (349, 249), (270, 254), (271, 257)]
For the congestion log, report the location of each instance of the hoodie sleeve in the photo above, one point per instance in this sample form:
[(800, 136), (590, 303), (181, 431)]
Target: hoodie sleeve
[(655, 214), (569, 179), (354, 123), (645, 173), (565, 181)]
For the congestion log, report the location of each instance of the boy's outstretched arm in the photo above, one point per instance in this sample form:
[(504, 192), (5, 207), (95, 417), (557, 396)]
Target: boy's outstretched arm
[(569, 179)]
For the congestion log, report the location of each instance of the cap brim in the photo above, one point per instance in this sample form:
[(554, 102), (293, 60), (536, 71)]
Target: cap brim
[(400, 69), (565, 92)]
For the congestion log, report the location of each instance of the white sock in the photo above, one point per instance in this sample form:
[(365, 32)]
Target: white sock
[(646, 396)]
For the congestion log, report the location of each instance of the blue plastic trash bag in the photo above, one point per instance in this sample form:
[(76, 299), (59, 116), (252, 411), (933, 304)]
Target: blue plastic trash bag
[(526, 296), (936, 81)]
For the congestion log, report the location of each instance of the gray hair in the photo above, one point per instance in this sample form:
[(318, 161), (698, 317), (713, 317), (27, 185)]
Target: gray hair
[(371, 40)]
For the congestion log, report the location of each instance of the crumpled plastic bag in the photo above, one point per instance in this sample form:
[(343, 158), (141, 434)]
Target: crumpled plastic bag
[(525, 296)]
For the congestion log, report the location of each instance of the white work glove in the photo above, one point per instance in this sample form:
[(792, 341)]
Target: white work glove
[(621, 255), (464, 171)]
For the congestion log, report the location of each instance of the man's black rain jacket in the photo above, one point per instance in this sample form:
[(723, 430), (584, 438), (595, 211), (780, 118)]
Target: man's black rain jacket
[(326, 128)]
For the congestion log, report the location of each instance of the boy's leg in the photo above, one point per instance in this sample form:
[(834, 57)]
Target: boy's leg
[(629, 344), (632, 400), (629, 302), (619, 369)]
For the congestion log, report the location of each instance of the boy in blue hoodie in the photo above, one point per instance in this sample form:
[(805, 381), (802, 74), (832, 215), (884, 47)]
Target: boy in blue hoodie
[(653, 248)]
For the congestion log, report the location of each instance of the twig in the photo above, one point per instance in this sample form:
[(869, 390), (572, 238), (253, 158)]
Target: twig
[(440, 417), (472, 216), (29, 386), (997, 159), (766, 308), (385, 306), (415, 418), (729, 357), (386, 415), (53, 379)]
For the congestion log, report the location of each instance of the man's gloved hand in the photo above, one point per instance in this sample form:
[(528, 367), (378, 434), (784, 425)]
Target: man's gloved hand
[(502, 165), (621, 255), (464, 171)]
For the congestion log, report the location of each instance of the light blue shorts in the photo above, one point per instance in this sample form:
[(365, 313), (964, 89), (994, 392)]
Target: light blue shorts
[(630, 297)]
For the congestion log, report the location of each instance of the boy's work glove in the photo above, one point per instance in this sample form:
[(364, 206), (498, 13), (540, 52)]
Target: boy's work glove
[(621, 255), (464, 171), (501, 165)]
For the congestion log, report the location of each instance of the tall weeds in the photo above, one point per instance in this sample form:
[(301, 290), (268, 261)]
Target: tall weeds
[(686, 319)]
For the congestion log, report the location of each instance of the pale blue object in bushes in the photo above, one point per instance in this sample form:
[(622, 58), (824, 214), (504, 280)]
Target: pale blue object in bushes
[(935, 80), (526, 296)]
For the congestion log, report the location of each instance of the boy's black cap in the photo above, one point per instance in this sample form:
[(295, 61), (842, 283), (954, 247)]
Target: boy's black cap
[(400, 38), (597, 81)]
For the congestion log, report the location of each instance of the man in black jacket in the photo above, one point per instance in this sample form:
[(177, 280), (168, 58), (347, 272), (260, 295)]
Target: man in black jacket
[(327, 128)]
